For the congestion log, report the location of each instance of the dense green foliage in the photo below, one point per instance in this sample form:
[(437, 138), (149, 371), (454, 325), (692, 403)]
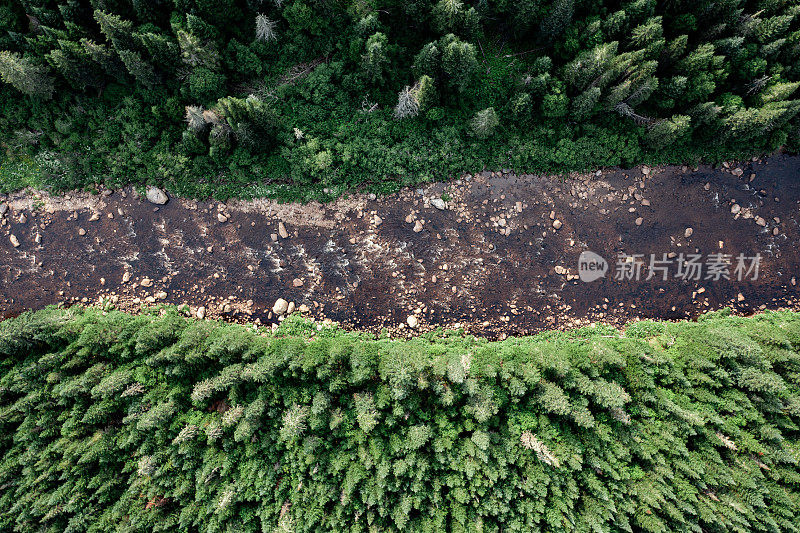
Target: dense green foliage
[(306, 98), (161, 423)]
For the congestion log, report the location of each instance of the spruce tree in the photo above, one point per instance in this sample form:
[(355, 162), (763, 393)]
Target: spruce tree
[(484, 123), (26, 75)]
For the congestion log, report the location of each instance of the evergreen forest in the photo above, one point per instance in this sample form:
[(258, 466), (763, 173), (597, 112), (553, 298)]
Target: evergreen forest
[(305, 99), (159, 422)]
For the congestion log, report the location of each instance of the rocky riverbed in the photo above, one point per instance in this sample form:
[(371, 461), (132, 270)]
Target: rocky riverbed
[(495, 253)]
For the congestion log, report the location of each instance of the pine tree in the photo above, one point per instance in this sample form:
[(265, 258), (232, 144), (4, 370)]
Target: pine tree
[(428, 60), (407, 104), (139, 68), (195, 119), (583, 105), (118, 31), (459, 61), (484, 123), (374, 61), (107, 59), (558, 19), (74, 63), (665, 132), (266, 29), (26, 75)]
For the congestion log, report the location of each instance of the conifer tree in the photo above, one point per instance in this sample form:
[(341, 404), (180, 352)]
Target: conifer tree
[(459, 61), (484, 123), (374, 61), (26, 75)]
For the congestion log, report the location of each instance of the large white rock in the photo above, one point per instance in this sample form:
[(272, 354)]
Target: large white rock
[(280, 307), (156, 196)]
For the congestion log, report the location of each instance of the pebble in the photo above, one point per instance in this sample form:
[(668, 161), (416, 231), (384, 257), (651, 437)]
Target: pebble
[(735, 208), (146, 282), (377, 220), (688, 232), (438, 203), (81, 232), (280, 306), (14, 240), (417, 226), (221, 217), (3, 209), (760, 221), (282, 231), (201, 312), (557, 224), (297, 282), (737, 172), (412, 321), (639, 221)]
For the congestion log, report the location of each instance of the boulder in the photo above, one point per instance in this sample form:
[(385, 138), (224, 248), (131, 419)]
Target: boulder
[(156, 196)]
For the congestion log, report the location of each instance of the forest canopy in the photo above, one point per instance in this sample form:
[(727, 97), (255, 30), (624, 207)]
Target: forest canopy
[(307, 98), (158, 422)]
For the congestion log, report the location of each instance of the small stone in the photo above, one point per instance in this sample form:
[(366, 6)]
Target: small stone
[(201, 312), (560, 269), (303, 308), (280, 306), (290, 309), (760, 221), (14, 240), (377, 220), (282, 231), (81, 232), (735, 208), (557, 224), (740, 297), (737, 172), (707, 186), (417, 226), (23, 218), (160, 295), (645, 170), (126, 277), (412, 321), (688, 232), (221, 217), (3, 209), (156, 196), (639, 221), (146, 282), (775, 231), (297, 282), (438, 203)]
